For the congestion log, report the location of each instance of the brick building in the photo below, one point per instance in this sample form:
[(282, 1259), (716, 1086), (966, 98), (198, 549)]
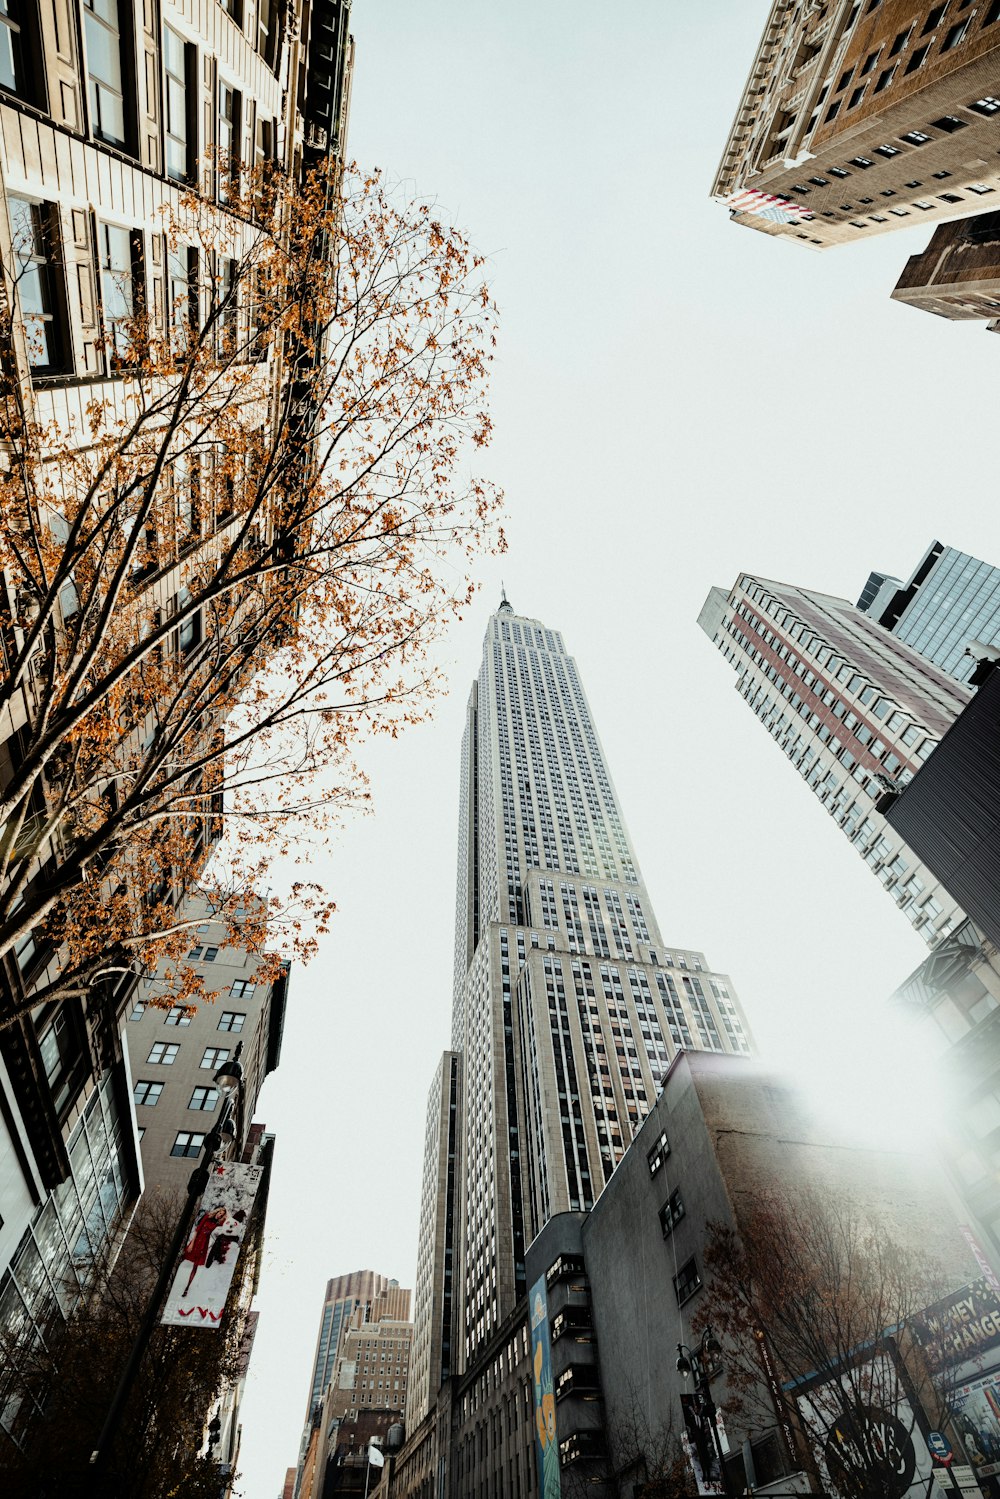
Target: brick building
[(958, 275), (865, 116)]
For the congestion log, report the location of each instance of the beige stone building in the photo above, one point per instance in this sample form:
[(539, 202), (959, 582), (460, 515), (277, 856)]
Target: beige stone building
[(863, 116), (174, 1053)]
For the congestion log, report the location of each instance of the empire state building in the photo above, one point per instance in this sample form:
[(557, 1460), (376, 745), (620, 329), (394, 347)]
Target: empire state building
[(568, 1003)]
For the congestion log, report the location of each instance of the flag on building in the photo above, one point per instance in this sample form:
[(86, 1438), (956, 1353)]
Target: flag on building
[(375, 1456), (766, 206)]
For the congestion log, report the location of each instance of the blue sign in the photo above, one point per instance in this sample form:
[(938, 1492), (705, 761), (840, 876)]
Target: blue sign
[(938, 1445)]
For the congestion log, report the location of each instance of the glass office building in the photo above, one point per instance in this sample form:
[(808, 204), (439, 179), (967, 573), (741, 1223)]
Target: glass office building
[(950, 600)]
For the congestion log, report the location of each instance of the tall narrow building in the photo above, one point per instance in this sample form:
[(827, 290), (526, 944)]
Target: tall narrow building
[(855, 710), (568, 1003)]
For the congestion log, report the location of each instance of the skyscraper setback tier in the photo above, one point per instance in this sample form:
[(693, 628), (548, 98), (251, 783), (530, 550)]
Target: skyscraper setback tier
[(568, 1004), (855, 710)]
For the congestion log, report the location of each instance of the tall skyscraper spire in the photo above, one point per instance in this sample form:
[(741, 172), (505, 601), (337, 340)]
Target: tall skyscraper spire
[(568, 1004)]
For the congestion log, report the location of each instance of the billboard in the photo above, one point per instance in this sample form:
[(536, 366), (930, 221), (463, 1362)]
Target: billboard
[(976, 1419), (546, 1447), (204, 1275), (961, 1328)]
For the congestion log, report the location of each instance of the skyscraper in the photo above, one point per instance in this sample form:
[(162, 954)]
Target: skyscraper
[(853, 708), (366, 1290), (950, 600), (568, 1004)]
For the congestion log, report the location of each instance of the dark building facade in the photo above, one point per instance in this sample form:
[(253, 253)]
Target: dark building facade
[(949, 814), (958, 275)]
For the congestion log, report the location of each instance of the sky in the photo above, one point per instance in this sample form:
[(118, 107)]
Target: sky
[(676, 399)]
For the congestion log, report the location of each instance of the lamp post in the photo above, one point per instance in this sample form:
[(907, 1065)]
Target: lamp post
[(220, 1138), (697, 1362)]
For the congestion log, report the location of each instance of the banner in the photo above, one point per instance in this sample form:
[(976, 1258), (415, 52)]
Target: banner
[(205, 1273), (546, 1448), (699, 1443)]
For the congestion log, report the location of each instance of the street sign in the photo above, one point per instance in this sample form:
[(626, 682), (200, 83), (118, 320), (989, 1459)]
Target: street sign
[(939, 1447)]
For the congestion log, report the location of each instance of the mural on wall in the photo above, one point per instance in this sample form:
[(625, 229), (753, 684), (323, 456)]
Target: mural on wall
[(546, 1447)]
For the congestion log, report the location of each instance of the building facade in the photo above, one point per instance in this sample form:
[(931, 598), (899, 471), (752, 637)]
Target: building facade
[(176, 1050), (950, 603), (354, 1304), (438, 1239), (958, 275), (109, 115), (854, 710), (859, 118)]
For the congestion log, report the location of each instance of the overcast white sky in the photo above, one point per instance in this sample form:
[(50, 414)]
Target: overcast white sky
[(676, 399)]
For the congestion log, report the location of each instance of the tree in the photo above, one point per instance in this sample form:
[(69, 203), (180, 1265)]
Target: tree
[(234, 568), (158, 1447), (646, 1453), (815, 1299)]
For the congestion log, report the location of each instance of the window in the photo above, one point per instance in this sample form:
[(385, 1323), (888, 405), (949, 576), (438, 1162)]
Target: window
[(900, 42), (950, 197), (102, 32), (857, 96), (187, 1143), (934, 18), (138, 1010), (884, 79), (864, 162), (176, 66), (59, 1050), (658, 1154), (832, 112), (203, 954), (115, 253), (839, 172), (164, 1053), (204, 1099), (178, 1015), (671, 1213), (993, 14), (979, 188), (686, 1282), (242, 987), (870, 62), (915, 138), (987, 106), (214, 1057), (845, 79), (15, 70), (917, 59), (232, 1020), (949, 124), (229, 136), (147, 1095), (956, 34), (35, 243), (820, 181)]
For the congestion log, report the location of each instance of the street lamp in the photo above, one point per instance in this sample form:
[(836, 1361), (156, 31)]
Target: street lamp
[(218, 1142), (698, 1362)]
